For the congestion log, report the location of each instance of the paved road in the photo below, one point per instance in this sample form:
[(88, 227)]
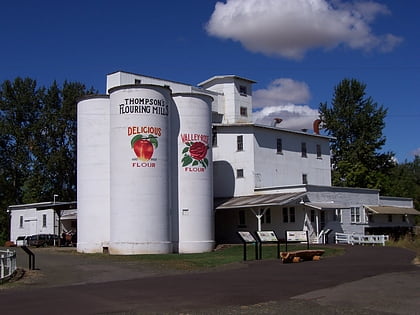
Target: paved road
[(366, 280)]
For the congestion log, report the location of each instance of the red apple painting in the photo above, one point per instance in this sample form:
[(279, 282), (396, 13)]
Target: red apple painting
[(144, 146), (195, 153)]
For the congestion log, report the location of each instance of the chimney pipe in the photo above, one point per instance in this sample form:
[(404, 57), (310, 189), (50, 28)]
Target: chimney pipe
[(317, 122), (276, 121)]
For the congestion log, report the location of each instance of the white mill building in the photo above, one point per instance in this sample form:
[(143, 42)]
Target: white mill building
[(168, 167)]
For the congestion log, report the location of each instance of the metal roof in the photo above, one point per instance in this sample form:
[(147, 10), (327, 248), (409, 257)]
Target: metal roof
[(260, 200), (392, 210), (45, 205), (325, 205)]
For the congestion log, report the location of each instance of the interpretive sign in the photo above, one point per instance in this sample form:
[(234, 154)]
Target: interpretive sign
[(297, 237), (268, 237), (247, 237)]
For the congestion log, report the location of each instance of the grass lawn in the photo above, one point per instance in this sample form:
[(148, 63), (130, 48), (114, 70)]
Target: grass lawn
[(226, 255)]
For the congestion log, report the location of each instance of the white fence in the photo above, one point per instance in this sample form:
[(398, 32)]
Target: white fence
[(341, 238), (7, 264)]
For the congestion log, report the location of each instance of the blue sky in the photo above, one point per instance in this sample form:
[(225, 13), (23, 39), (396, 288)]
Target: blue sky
[(296, 50)]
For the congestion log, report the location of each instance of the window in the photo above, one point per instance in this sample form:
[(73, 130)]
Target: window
[(318, 151), (337, 215), (304, 179), (389, 217), (44, 220), (404, 218), (240, 143), (303, 147), (240, 173), (312, 215), (21, 221), (241, 215), (266, 218), (137, 81), (244, 111), (355, 215), (292, 214), (285, 215), (214, 137), (243, 90), (279, 146)]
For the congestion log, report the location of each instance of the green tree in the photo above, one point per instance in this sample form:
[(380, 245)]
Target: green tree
[(38, 141), (356, 122)]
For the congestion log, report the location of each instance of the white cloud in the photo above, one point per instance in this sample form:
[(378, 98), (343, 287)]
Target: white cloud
[(289, 28), (282, 91), (295, 117), (284, 98), (416, 152)]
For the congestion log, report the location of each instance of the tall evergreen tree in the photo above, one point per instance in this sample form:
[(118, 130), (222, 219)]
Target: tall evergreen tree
[(356, 122), (38, 140)]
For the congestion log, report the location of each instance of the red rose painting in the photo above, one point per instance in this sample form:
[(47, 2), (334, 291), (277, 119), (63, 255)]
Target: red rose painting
[(195, 153)]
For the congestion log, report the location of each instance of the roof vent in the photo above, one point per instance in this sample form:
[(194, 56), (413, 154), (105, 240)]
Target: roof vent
[(276, 121)]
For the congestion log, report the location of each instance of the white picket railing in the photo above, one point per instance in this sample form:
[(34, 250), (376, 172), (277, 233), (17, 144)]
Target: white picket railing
[(7, 264), (352, 239)]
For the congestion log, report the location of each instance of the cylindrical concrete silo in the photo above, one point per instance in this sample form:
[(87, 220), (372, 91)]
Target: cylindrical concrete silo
[(93, 201), (139, 127), (195, 173)]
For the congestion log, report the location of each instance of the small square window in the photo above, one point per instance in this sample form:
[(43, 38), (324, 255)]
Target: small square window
[(244, 111), (243, 90), (240, 143), (137, 81), (240, 173)]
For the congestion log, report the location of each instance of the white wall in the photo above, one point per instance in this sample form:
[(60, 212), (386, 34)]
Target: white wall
[(273, 169), (32, 223)]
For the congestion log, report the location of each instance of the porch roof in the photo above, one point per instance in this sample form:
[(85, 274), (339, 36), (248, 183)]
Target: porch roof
[(325, 205), (45, 205), (392, 210), (258, 200)]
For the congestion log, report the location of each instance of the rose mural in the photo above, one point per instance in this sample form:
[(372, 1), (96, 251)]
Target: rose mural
[(144, 146), (195, 153)]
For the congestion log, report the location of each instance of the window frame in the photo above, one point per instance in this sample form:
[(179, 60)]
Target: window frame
[(279, 145), (239, 143), (304, 150), (318, 151), (239, 173), (44, 220), (355, 215), (243, 111)]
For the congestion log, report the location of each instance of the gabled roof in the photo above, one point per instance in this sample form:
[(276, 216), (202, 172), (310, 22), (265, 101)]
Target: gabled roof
[(391, 210)]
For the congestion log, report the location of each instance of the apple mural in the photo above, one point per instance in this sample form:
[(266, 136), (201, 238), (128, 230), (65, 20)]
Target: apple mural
[(144, 146)]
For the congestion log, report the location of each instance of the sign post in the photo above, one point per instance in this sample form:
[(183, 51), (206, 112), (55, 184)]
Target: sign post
[(297, 237), (248, 238), (268, 237)]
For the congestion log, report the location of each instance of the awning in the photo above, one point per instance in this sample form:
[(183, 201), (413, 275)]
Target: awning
[(325, 205), (260, 200), (391, 210), (69, 215)]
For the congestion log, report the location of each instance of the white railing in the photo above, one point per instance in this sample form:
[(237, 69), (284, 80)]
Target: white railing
[(341, 238), (7, 264)]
